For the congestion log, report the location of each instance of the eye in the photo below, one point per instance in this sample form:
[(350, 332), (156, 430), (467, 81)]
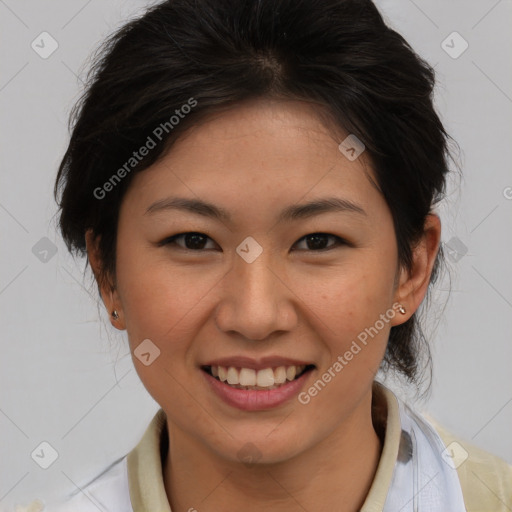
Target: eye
[(319, 242), (192, 241)]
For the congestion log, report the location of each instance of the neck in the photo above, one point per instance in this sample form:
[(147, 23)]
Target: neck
[(339, 469)]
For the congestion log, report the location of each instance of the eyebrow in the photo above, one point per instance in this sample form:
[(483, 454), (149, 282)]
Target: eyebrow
[(290, 213)]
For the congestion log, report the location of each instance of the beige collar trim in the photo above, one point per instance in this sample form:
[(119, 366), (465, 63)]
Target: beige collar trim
[(376, 497), (145, 478)]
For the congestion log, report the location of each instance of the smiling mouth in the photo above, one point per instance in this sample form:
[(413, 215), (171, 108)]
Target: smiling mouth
[(257, 380)]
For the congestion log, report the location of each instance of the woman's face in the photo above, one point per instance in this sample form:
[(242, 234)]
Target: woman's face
[(253, 289)]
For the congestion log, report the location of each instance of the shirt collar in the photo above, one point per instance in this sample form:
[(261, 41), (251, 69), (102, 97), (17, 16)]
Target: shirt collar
[(145, 478)]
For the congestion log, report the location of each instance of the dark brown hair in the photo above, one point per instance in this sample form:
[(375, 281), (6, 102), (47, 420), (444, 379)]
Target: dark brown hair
[(337, 54)]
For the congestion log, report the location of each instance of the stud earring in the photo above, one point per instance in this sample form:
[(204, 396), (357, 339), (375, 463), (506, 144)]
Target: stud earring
[(402, 310), (115, 314)]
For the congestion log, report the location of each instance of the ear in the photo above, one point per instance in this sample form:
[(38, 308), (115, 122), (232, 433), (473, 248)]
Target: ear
[(413, 283), (107, 289)]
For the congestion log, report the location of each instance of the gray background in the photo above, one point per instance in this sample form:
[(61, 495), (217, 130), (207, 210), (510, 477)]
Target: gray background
[(67, 376)]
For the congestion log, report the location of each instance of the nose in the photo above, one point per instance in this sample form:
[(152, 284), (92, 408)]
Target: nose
[(256, 302)]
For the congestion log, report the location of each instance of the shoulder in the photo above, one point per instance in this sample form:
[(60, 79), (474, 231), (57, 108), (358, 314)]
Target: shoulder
[(486, 480)]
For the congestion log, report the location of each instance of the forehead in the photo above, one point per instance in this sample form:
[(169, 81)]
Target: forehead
[(257, 156)]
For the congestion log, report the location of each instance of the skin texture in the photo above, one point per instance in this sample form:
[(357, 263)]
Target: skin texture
[(253, 161)]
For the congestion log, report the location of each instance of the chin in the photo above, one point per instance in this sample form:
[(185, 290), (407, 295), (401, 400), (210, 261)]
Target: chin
[(261, 449)]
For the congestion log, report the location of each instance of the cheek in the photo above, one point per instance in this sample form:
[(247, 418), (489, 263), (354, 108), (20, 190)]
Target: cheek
[(154, 293), (167, 307), (347, 307), (160, 301)]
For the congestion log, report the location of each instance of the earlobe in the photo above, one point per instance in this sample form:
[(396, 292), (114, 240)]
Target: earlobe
[(115, 311), (108, 292), (413, 282), (116, 320)]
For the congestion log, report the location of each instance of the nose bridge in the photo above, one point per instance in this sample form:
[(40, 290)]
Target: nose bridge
[(257, 280), (255, 303)]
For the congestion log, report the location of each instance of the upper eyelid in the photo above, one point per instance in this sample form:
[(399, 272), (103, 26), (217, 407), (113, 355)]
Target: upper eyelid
[(339, 240), (172, 238), (167, 240)]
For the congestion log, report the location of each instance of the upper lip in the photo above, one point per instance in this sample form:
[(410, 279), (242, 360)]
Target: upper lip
[(256, 364)]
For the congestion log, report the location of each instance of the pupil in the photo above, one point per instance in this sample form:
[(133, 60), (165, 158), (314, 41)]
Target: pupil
[(318, 241), (196, 240)]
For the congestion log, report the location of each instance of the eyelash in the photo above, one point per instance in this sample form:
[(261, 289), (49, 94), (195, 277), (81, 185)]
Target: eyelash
[(172, 241)]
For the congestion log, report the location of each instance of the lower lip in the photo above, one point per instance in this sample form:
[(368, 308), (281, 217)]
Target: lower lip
[(253, 400)]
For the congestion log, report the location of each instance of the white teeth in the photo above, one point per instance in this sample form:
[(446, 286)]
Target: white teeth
[(291, 371), (233, 376), (223, 373), (247, 377), (280, 375), (267, 378)]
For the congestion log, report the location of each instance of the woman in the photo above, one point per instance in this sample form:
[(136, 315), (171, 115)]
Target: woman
[(253, 183)]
